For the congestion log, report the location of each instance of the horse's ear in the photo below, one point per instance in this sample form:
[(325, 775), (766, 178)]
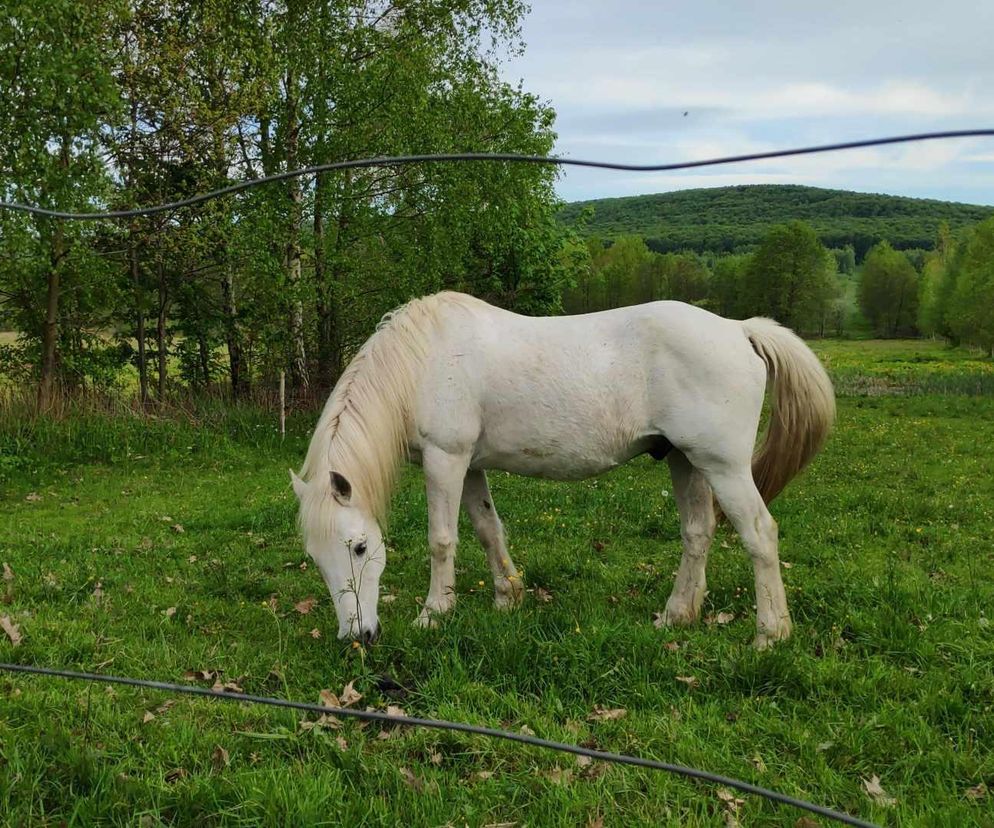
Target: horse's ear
[(341, 489), (299, 486)]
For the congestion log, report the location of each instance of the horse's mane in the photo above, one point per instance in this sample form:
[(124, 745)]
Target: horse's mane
[(362, 432)]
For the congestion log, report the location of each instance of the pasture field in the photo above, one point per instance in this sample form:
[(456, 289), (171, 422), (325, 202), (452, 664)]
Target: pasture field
[(152, 547)]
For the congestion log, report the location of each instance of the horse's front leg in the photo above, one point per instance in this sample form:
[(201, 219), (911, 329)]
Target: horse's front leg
[(444, 473), (508, 586)]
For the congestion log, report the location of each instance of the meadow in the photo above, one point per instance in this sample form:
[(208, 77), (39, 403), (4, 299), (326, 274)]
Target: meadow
[(166, 548)]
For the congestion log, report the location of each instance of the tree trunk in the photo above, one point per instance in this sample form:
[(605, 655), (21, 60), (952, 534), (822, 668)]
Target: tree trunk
[(239, 384), (50, 333), (160, 335), (139, 317), (204, 359), (298, 353), (325, 278)]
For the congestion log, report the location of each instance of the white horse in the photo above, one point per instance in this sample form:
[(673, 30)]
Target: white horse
[(461, 386)]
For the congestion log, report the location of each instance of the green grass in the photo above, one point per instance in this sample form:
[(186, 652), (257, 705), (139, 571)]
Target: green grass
[(890, 670)]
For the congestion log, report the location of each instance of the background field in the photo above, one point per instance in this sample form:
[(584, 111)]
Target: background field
[(109, 522)]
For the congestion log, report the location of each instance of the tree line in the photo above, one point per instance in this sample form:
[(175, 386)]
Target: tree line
[(121, 103)]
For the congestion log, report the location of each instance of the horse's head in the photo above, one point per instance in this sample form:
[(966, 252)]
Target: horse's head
[(345, 541)]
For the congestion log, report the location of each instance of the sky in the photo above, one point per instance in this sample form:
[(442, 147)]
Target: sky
[(658, 81)]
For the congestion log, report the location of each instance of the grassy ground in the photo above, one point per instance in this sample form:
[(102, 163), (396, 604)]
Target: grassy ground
[(150, 549)]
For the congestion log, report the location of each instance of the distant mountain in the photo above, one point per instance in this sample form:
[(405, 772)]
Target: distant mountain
[(733, 219)]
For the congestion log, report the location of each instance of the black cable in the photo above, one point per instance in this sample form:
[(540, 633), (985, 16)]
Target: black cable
[(397, 160), (439, 724)]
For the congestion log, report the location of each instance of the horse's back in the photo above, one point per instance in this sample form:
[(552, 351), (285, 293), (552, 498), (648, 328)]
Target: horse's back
[(571, 396)]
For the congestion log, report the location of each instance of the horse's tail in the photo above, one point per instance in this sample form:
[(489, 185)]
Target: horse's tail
[(803, 405)]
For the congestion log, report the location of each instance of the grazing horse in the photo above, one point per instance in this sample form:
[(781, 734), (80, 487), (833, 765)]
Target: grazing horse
[(460, 387)]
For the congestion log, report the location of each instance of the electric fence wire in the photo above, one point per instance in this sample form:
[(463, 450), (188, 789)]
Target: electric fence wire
[(440, 724), (400, 160)]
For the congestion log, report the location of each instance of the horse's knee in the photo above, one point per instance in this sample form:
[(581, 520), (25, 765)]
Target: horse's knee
[(443, 545)]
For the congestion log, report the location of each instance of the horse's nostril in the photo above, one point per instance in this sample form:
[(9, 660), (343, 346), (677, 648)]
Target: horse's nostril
[(369, 636)]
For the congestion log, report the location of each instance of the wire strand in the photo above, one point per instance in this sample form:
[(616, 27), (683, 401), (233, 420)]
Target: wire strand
[(399, 160), (440, 724)]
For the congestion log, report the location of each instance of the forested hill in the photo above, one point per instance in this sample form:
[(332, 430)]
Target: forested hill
[(727, 219)]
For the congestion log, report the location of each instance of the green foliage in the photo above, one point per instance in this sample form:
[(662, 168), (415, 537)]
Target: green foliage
[(791, 277), (736, 219), (888, 290), (971, 308)]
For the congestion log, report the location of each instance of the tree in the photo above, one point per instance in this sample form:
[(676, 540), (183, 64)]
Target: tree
[(58, 93), (791, 278), (888, 290), (971, 309)]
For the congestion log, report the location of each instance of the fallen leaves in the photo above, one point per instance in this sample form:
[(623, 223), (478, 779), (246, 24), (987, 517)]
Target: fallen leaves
[(877, 793), (731, 805), (315, 633), (976, 793), (415, 782), (691, 681), (220, 758), (305, 606), (8, 580), (720, 619), (170, 612), (176, 774), (33, 497), (201, 675), (543, 595), (12, 630), (603, 714), (178, 529)]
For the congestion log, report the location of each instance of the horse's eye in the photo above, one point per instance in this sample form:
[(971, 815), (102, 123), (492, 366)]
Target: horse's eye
[(359, 549)]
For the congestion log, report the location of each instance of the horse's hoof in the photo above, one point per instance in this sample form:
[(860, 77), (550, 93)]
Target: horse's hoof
[(509, 595), (426, 620), (767, 638), (679, 616)]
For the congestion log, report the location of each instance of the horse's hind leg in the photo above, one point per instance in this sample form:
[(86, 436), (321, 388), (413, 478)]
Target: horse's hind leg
[(741, 502), (697, 524), (508, 586), (444, 474)]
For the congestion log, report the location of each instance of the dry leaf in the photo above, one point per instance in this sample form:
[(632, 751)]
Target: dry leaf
[(305, 606), (176, 774), (393, 710), (672, 646), (690, 681), (179, 530), (543, 595), (821, 747), (657, 620), (602, 714), (526, 730), (226, 687), (342, 744), (595, 822), (315, 633), (388, 599), (98, 592), (349, 695), (328, 699), (584, 761), (33, 497), (201, 675), (8, 573), (192, 559), (415, 782), (976, 793), (435, 758), (806, 822), (758, 763), (12, 630), (878, 794), (721, 618), (786, 565), (170, 612), (220, 758), (162, 708), (324, 720), (482, 776), (148, 717)]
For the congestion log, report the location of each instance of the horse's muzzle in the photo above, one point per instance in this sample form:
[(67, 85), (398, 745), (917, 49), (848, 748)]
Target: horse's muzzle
[(367, 637)]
